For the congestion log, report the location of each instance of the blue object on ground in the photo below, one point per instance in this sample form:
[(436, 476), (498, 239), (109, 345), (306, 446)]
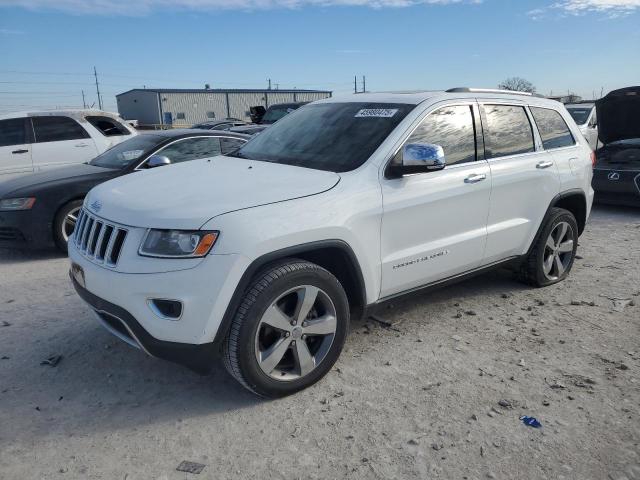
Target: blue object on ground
[(531, 421)]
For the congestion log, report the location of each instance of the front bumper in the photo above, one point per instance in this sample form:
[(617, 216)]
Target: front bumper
[(24, 229), (124, 326), (620, 187)]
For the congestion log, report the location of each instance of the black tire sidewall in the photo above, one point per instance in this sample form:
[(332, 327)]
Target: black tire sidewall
[(557, 216), (251, 371), (58, 223)]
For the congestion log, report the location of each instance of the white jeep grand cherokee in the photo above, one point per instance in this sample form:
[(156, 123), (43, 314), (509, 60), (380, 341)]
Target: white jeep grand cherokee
[(269, 252)]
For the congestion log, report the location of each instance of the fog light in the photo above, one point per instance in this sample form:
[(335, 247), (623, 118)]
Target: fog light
[(168, 309)]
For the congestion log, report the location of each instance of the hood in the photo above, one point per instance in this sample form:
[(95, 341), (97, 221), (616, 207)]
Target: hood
[(187, 195), (619, 115), (33, 182)]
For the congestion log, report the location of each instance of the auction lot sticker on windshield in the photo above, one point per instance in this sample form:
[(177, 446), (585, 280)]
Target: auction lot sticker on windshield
[(377, 112)]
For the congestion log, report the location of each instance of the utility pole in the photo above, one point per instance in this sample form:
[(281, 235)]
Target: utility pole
[(364, 84), (355, 84), (95, 74), (269, 84), (84, 105)]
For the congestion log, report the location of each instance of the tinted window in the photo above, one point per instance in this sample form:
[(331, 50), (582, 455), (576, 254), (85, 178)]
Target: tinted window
[(508, 131), (191, 149), (132, 150), (580, 115), (229, 145), (12, 132), (336, 137), (108, 126), (180, 116), (57, 129), (552, 127), (452, 129)]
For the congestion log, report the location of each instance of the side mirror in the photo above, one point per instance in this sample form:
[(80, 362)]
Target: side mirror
[(420, 158), (158, 161)]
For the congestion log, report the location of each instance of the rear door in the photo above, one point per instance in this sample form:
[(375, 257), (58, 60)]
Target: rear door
[(60, 141), (524, 179), (15, 147), (434, 224)]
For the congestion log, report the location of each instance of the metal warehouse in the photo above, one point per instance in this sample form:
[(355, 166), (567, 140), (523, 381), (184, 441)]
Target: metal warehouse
[(185, 107)]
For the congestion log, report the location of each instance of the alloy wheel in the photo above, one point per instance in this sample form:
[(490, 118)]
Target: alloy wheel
[(558, 251), (69, 223), (295, 333)]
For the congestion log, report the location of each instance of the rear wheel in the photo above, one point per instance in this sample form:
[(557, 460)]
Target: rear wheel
[(552, 256), (289, 329), (65, 222)]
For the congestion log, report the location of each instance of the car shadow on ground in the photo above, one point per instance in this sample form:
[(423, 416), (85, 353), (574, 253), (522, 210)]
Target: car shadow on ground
[(10, 256)]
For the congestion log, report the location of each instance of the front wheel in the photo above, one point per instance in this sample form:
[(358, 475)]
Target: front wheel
[(289, 329), (65, 222), (552, 256)]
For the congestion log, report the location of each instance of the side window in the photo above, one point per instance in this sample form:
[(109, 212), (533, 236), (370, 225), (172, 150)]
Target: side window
[(108, 126), (507, 131), (12, 132), (57, 129), (594, 119), (552, 127), (211, 114), (228, 145), (451, 128), (191, 149), (180, 116)]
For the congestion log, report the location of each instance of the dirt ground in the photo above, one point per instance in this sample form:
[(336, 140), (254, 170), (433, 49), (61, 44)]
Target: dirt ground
[(437, 394)]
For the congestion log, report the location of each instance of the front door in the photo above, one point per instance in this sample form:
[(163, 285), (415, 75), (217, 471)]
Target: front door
[(434, 224), (15, 148)]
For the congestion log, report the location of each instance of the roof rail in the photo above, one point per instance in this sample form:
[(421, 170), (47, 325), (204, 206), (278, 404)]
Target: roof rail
[(490, 90)]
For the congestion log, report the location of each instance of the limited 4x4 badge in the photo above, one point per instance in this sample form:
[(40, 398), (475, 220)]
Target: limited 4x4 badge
[(421, 259)]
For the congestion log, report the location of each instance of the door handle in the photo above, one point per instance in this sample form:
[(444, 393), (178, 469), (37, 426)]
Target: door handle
[(20, 151), (545, 164), (475, 178), (81, 145)]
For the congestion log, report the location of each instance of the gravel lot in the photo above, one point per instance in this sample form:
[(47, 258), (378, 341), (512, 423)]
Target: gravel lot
[(437, 394)]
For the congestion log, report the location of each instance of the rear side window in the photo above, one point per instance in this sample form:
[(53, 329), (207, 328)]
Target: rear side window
[(57, 129), (12, 132), (452, 129), (191, 149), (553, 129), (507, 131), (108, 126), (228, 145)]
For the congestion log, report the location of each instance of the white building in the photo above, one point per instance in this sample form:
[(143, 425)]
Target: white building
[(184, 107)]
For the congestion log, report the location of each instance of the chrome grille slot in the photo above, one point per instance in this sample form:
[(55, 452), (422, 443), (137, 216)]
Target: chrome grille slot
[(98, 240)]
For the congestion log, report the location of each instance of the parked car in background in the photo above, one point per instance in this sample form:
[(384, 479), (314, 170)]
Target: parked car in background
[(269, 252), (223, 124), (35, 141), (275, 112), (40, 210), (586, 117), (617, 172)]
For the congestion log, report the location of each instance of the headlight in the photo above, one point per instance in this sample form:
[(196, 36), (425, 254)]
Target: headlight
[(177, 243), (17, 203)]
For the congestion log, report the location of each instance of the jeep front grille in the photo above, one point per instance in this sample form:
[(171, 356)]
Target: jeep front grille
[(98, 240)]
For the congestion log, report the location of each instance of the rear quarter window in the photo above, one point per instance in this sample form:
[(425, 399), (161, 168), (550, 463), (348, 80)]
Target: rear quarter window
[(12, 132), (507, 131), (109, 127), (554, 131)]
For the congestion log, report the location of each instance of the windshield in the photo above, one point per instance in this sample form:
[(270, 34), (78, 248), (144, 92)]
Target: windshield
[(274, 114), (124, 153), (580, 114), (336, 137)]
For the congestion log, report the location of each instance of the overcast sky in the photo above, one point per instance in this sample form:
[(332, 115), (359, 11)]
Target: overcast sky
[(49, 48)]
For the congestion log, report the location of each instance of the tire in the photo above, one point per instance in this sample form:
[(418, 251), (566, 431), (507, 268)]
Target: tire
[(262, 329), (61, 228), (545, 251)]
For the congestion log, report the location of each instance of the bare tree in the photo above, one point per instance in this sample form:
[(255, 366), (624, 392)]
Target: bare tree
[(517, 84)]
